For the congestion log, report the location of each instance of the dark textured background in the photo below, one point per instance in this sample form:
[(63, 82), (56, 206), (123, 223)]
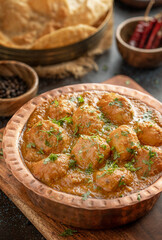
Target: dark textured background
[(13, 224)]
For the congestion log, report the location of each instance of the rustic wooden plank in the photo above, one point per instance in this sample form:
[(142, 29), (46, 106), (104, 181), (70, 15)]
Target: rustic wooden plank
[(125, 81), (148, 227)]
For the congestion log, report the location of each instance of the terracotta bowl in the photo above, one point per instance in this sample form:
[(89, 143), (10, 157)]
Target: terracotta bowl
[(8, 106), (136, 57), (66, 208)]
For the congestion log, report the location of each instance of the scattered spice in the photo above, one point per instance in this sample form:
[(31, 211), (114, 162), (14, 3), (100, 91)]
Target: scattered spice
[(105, 68), (12, 86), (68, 232), (127, 82)]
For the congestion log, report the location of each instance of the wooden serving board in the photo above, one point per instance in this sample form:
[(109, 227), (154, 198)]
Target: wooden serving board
[(148, 227)]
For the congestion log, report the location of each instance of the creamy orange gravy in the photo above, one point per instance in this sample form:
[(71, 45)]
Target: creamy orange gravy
[(94, 144)]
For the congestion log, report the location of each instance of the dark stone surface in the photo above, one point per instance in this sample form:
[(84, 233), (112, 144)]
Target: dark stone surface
[(13, 224)]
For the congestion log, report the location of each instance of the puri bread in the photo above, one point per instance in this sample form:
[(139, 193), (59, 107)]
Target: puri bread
[(64, 37), (36, 24)]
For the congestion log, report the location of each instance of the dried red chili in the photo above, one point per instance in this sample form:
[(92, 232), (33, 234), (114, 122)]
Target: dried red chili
[(154, 32), (146, 32)]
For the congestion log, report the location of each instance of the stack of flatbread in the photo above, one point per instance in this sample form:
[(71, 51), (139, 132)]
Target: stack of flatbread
[(44, 24)]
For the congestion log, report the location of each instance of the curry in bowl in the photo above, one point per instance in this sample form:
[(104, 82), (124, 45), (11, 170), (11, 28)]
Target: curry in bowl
[(94, 144)]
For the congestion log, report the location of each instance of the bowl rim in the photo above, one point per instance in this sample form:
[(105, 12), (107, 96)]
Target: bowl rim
[(34, 76), (20, 171), (70, 46), (119, 38)]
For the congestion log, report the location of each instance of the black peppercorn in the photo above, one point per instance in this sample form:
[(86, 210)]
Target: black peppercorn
[(12, 86)]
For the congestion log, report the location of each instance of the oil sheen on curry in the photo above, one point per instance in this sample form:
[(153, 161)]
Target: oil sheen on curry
[(94, 144)]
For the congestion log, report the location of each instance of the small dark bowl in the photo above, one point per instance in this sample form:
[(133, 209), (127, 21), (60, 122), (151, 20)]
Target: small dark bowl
[(136, 57), (8, 106)]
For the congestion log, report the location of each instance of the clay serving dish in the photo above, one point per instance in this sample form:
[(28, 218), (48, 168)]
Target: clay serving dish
[(61, 54), (66, 208), (137, 57), (8, 106)]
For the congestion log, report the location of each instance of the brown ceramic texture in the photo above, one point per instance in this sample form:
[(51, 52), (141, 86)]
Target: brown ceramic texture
[(70, 209), (10, 68), (141, 58)]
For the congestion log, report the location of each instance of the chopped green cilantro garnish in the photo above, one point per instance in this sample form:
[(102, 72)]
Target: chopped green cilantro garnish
[(86, 195), (39, 124), (116, 155), (103, 146), (61, 121), (1, 151), (121, 183), (47, 143), (152, 154), (101, 157), (125, 133), (132, 151), (29, 145), (40, 151), (147, 116), (1, 135), (102, 117), (148, 163), (138, 130), (80, 99), (59, 136), (116, 102), (109, 168), (139, 197), (89, 170), (108, 140), (68, 232), (72, 163), (51, 158), (55, 102), (131, 167), (88, 124), (49, 132), (76, 129)]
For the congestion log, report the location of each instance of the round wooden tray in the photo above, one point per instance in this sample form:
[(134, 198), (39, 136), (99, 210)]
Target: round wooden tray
[(70, 209)]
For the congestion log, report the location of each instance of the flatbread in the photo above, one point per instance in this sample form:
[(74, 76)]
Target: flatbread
[(64, 37), (33, 24), (86, 11)]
